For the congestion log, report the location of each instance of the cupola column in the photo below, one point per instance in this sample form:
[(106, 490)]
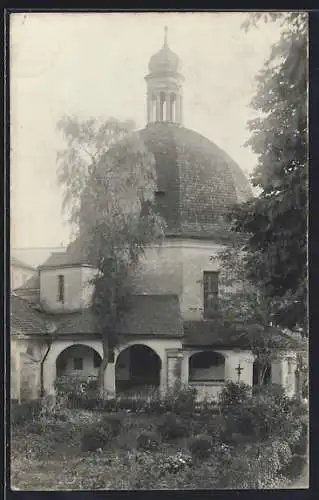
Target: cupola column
[(149, 109), (177, 109), (158, 107), (164, 86), (168, 108), (180, 118)]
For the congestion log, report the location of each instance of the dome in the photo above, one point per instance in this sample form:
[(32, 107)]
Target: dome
[(164, 61), (197, 182)]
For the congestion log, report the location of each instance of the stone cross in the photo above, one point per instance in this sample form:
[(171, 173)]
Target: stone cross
[(239, 369)]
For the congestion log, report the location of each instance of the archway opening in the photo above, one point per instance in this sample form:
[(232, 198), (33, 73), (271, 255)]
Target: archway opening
[(78, 361), (137, 368), (261, 373), (207, 366)]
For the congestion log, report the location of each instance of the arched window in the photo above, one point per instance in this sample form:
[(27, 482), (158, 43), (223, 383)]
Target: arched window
[(207, 366)]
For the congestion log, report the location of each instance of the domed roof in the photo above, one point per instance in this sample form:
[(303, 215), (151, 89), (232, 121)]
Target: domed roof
[(165, 60), (197, 182)]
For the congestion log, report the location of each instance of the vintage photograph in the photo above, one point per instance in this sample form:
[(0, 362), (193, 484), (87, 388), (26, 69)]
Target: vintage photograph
[(158, 298)]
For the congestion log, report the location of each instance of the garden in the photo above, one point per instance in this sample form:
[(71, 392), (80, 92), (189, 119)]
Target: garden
[(247, 439)]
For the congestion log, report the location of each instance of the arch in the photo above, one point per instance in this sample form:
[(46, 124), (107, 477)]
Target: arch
[(77, 360), (206, 366), (261, 374), (137, 366)]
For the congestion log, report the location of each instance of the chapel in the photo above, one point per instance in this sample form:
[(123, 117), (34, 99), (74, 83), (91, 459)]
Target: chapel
[(169, 330)]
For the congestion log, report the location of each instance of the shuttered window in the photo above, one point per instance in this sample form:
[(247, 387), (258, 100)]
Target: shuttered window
[(210, 281)]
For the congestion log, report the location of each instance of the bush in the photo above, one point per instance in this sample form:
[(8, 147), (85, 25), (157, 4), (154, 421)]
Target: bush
[(201, 447), (111, 424), (102, 433), (234, 394), (254, 466), (267, 413), (77, 392), (176, 463), (148, 441), (94, 439), (180, 400), (24, 412), (295, 467), (172, 427), (270, 413)]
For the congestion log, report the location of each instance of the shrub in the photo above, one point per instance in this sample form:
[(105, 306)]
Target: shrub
[(102, 433), (295, 467), (24, 412), (180, 400), (300, 446), (93, 439), (148, 441), (268, 413), (234, 394), (201, 446), (172, 427), (216, 426), (77, 392), (111, 424), (254, 466), (176, 463)]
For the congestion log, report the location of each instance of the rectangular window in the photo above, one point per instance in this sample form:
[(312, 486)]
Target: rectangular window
[(210, 282), (78, 364), (61, 288)]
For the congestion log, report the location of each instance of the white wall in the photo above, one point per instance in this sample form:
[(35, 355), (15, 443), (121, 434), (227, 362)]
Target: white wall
[(177, 267), (207, 390), (211, 373), (77, 292), (87, 274), (87, 356)]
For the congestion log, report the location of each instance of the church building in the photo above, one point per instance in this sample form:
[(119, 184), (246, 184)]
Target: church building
[(169, 331)]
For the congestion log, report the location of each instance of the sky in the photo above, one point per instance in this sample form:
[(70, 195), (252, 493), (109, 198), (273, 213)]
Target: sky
[(93, 65)]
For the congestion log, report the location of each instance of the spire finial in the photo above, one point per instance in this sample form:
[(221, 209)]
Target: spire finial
[(165, 35)]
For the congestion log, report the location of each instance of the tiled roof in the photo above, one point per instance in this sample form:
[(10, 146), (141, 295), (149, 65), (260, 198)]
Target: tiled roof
[(24, 318), (214, 333), (154, 315), (18, 263), (74, 255), (200, 181), (33, 283)]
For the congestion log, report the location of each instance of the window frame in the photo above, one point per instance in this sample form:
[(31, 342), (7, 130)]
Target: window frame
[(209, 311), (61, 289)]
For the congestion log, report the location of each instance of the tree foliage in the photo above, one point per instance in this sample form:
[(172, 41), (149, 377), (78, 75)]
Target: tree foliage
[(248, 311), (85, 143), (110, 196), (276, 221)]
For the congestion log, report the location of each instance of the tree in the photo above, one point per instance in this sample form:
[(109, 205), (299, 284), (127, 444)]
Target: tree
[(113, 208), (248, 312), (276, 220), (85, 143)]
